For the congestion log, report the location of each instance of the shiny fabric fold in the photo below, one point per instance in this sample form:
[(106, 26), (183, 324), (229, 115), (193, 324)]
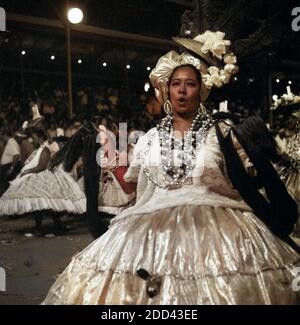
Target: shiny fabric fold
[(203, 255)]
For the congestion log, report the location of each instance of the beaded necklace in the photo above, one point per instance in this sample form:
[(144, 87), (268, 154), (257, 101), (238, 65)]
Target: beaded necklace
[(184, 151)]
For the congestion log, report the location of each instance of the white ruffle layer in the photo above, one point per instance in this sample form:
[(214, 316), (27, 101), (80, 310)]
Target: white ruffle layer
[(26, 205)]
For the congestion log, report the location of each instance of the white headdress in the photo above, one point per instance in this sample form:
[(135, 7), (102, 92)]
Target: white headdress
[(215, 63)]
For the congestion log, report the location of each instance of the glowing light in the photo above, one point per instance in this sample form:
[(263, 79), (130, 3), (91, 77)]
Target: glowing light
[(75, 15)]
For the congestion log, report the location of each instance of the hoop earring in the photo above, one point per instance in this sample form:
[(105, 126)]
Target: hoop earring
[(168, 107), (202, 109)]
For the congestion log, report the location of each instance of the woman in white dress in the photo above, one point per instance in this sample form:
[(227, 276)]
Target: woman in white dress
[(39, 191), (115, 194), (190, 238)]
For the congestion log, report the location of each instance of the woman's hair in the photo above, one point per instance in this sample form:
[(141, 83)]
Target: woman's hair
[(83, 143), (198, 74), (235, 118), (68, 154)]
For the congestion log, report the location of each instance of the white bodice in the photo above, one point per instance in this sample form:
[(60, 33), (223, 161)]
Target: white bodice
[(33, 160), (209, 184)]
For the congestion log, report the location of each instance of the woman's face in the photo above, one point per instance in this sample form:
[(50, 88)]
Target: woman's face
[(184, 91)]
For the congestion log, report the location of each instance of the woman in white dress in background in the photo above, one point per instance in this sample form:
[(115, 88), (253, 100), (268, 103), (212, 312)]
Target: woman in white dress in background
[(39, 191), (115, 194)]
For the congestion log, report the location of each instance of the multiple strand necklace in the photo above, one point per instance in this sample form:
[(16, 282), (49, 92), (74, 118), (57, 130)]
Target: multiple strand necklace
[(178, 156)]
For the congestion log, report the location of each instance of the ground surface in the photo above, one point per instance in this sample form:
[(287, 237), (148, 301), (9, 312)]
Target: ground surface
[(32, 262)]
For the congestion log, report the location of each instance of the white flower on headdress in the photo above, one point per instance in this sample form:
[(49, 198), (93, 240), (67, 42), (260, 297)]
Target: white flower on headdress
[(224, 76), (230, 58), (231, 69), (213, 42), (213, 70), (217, 77), (213, 78)]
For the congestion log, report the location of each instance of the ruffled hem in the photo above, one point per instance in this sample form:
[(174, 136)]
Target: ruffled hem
[(28, 205), (87, 286), (202, 255)]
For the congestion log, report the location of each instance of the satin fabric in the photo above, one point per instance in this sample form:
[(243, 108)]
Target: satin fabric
[(202, 255), (200, 243), (165, 66)]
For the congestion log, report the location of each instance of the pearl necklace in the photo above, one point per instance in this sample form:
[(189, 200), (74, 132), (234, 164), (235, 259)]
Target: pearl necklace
[(180, 169)]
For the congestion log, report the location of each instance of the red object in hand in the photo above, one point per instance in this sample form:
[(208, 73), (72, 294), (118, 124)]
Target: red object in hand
[(119, 173)]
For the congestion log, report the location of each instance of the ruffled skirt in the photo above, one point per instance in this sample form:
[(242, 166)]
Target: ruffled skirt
[(193, 255), (46, 190)]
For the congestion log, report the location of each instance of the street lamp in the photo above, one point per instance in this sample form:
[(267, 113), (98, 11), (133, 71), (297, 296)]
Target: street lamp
[(75, 16)]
